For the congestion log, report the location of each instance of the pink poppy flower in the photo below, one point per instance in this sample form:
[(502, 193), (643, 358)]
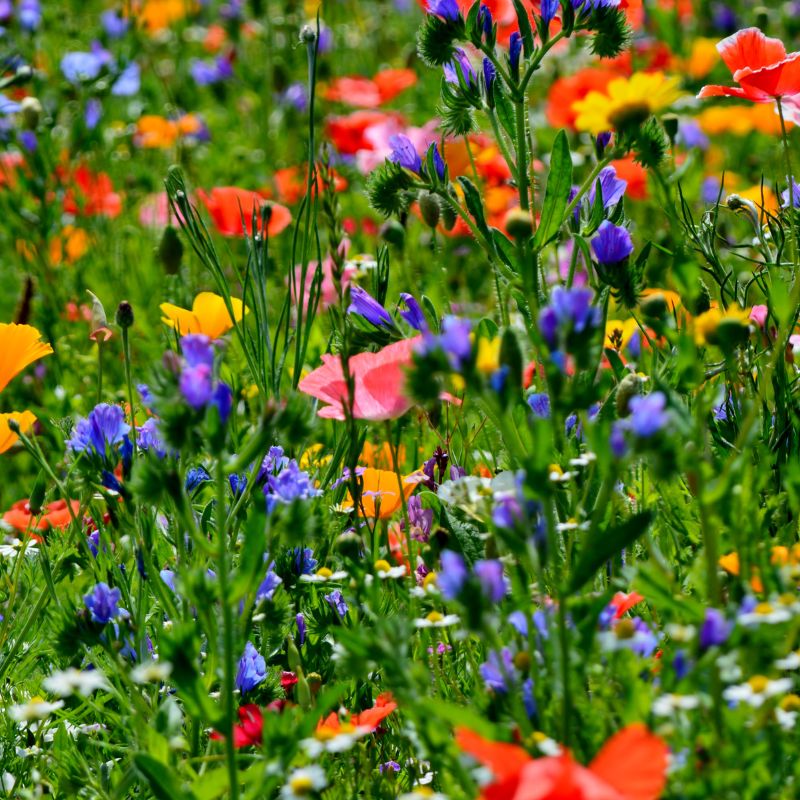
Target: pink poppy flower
[(378, 379)]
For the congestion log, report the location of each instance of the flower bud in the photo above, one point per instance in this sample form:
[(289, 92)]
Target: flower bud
[(393, 233), (628, 388), (170, 250), (30, 113), (518, 223), (124, 314), (430, 208)]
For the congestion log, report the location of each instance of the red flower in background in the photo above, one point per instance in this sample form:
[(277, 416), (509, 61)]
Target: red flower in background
[(227, 205), (636, 176), (631, 765), (363, 92), (290, 183), (565, 92), (761, 67), (91, 194), (54, 515), (348, 133)]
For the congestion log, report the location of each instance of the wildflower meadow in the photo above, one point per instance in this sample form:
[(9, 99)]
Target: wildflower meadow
[(400, 399)]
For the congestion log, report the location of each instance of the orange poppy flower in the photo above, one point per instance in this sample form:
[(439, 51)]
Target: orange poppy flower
[(761, 67), (20, 346), (54, 515), (380, 496), (7, 436), (370, 92), (231, 210), (154, 132), (291, 183), (209, 315), (636, 176), (381, 456), (632, 765), (155, 15), (331, 726)]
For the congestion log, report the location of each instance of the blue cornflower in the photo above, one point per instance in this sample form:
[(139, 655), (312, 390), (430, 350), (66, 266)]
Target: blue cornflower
[(446, 9), (252, 669), (337, 602), (290, 484), (570, 310), (104, 428), (452, 576), (304, 561), (648, 414), (102, 602), (612, 244)]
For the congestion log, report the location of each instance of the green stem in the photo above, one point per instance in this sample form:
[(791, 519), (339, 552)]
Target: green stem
[(522, 154), (790, 179), (227, 632), (100, 369), (126, 351)]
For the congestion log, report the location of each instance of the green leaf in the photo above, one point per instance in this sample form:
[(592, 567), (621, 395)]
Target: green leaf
[(467, 536), (604, 546), (472, 197), (161, 779), (556, 196)]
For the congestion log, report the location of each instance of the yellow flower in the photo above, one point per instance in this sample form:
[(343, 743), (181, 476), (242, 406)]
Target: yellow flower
[(7, 436), (702, 58), (625, 102), (209, 315), (619, 332), (707, 324), (20, 345), (488, 360)]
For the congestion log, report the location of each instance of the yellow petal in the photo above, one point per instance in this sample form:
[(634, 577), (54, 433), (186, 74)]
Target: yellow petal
[(180, 319), (20, 345), (213, 316), (7, 436)]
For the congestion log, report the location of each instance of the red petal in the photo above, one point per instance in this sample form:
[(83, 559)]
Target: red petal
[(504, 760), (776, 80), (750, 49)]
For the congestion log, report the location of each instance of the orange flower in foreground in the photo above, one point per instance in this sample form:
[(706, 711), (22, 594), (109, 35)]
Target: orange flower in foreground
[(7, 436), (231, 210), (209, 315), (378, 380), (20, 346), (761, 67), (631, 765), (54, 515), (380, 495)]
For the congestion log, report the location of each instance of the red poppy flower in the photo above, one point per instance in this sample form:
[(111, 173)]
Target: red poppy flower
[(378, 378), (348, 133), (291, 183), (227, 205), (625, 602), (361, 92), (636, 176), (54, 515), (630, 766), (250, 730), (760, 65), (288, 679), (92, 194)]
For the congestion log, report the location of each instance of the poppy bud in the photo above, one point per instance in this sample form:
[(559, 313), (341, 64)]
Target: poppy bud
[(100, 330), (349, 544), (518, 223), (448, 217), (393, 233), (30, 113), (628, 388), (124, 314), (37, 494), (430, 208)]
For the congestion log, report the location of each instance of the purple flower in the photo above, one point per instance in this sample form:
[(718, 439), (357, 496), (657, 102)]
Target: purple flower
[(540, 404), (452, 576), (300, 621), (389, 765), (195, 385), (208, 73), (616, 440), (404, 153), (337, 602), (454, 340), (148, 437), (498, 670), (365, 305), (29, 14), (92, 113), (197, 350), (711, 189), (129, 81), (195, 478), (168, 576), (549, 8), (413, 314), (612, 244), (715, 629), (304, 561), (252, 669), (102, 603), (114, 25), (601, 141), (8, 106), (612, 188), (528, 699), (290, 484), (570, 310), (489, 74), (78, 67), (420, 519), (446, 9), (681, 664), (460, 68), (28, 141), (648, 414), (438, 161), (489, 573), (222, 400), (690, 134), (795, 194), (104, 428), (296, 96), (485, 20), (270, 584), (514, 51)]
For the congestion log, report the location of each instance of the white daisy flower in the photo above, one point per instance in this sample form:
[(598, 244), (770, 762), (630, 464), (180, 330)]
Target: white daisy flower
[(151, 672), (791, 661), (304, 782), (35, 708), (757, 690), (667, 704), (324, 575), (71, 681), (436, 620)]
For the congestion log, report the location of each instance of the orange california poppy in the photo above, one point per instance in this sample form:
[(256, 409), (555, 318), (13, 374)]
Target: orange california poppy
[(632, 765), (20, 346), (381, 456), (761, 67), (7, 436), (331, 726), (380, 495), (209, 315), (231, 210), (54, 515)]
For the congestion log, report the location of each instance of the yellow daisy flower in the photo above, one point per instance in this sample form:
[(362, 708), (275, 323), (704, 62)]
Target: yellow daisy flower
[(625, 102)]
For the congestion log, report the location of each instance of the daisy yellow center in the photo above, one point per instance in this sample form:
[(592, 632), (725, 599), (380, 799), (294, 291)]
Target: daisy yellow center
[(382, 566), (430, 578), (763, 608), (301, 784), (434, 616), (758, 683), (790, 703), (324, 572)]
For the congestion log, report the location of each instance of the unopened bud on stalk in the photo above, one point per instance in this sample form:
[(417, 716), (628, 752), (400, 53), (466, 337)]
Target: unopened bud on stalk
[(393, 233), (308, 35), (125, 314), (628, 388), (670, 123), (518, 224), (430, 208), (30, 113)]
